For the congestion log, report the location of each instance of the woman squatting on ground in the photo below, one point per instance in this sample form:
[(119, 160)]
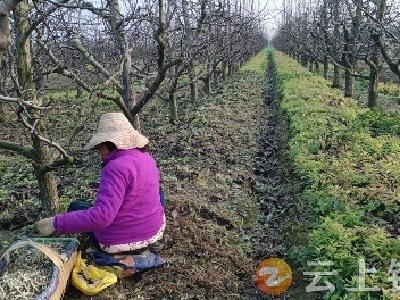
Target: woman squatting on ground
[(128, 213)]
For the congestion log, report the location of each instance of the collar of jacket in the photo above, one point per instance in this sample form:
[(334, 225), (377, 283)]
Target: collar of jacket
[(113, 155)]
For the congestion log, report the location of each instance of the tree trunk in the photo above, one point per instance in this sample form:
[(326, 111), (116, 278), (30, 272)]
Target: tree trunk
[(325, 35), (311, 66), (3, 85), (215, 77), (326, 67), (374, 64), (128, 95), (191, 66), (336, 77), (348, 84), (173, 110), (2, 113), (373, 78), (192, 81), (373, 87), (79, 91), (229, 61), (230, 69), (223, 71), (336, 33), (47, 181), (4, 32), (207, 84), (4, 44), (208, 55), (350, 61), (347, 62)]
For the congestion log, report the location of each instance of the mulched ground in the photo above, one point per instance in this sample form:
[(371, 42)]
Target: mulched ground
[(208, 167), (207, 172), (229, 190)]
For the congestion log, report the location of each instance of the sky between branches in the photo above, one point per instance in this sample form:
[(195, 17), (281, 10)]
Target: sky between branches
[(273, 16)]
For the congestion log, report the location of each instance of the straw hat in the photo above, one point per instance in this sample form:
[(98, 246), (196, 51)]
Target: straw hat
[(115, 128)]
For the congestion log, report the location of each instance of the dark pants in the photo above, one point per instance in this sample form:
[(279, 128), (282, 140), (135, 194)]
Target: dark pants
[(163, 200), (88, 240)]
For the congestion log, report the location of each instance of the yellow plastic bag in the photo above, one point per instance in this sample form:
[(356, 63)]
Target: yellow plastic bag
[(89, 279)]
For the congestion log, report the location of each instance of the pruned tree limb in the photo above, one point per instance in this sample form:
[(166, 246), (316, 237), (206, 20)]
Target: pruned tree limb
[(21, 102), (64, 70), (32, 130), (56, 164), (154, 87), (85, 52), (18, 148)]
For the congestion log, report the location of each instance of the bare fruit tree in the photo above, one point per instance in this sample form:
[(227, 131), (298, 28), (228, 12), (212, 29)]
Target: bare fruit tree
[(121, 51), (348, 34)]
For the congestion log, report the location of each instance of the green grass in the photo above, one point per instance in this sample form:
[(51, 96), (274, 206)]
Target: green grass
[(348, 159), (256, 64), (388, 94), (389, 88)]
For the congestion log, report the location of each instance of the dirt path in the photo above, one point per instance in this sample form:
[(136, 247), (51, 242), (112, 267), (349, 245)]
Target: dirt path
[(281, 217)]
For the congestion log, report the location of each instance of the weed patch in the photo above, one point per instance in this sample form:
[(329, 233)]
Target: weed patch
[(348, 159)]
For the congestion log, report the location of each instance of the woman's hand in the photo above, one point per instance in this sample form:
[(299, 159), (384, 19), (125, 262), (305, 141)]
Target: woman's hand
[(44, 227)]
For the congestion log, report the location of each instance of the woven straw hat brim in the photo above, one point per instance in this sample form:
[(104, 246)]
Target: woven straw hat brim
[(124, 140)]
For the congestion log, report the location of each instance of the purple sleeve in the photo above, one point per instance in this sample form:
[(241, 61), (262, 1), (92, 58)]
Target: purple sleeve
[(113, 183)]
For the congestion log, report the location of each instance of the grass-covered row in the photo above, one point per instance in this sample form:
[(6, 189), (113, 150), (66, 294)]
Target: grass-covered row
[(348, 160)]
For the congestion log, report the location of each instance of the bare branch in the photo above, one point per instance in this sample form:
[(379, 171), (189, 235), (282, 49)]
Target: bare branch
[(23, 103), (35, 23), (18, 148), (111, 78), (32, 130), (154, 87), (56, 164)]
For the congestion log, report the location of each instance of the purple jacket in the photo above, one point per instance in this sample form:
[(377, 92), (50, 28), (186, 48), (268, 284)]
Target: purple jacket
[(127, 208)]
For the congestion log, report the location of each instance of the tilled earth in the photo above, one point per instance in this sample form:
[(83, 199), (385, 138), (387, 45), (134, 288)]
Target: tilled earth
[(230, 193), (206, 164)]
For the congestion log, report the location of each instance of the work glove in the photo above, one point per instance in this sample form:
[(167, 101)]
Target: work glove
[(44, 227)]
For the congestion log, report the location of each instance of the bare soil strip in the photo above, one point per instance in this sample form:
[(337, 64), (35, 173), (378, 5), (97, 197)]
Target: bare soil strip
[(283, 221), (206, 165)]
